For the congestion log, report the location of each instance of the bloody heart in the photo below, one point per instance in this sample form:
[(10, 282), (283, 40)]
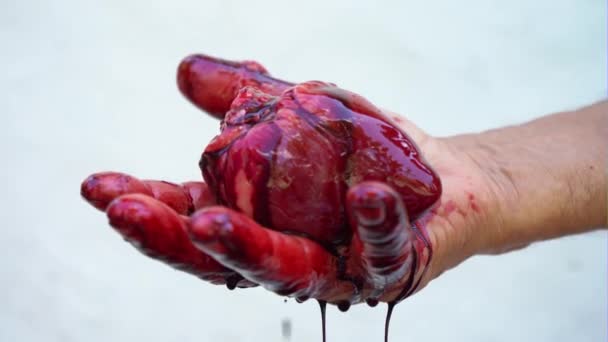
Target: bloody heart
[(288, 154)]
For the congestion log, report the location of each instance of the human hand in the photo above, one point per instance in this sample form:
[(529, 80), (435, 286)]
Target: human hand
[(385, 256)]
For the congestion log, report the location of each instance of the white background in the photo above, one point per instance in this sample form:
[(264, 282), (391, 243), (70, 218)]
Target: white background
[(89, 86)]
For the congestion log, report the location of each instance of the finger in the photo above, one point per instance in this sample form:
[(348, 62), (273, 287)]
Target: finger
[(286, 264), (424, 254), (212, 83), (101, 188), (382, 233), (159, 232)]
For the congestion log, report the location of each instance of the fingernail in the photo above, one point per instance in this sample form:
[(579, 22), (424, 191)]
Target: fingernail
[(126, 217), (89, 191)]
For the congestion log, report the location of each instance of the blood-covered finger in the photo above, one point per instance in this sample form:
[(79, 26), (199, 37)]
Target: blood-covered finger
[(286, 264), (159, 232), (212, 83), (382, 234), (101, 188)]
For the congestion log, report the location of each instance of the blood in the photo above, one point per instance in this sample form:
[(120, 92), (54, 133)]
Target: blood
[(344, 306), (387, 320), (302, 299), (232, 281), (449, 207), (372, 302), (472, 203), (322, 305)]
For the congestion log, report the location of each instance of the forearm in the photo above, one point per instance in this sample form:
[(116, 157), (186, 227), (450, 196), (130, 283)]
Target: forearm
[(548, 177)]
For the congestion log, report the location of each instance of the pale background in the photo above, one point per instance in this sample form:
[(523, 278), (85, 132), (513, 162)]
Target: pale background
[(89, 86)]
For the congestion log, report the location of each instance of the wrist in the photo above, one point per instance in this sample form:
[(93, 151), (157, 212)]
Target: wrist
[(466, 219), (506, 188), (547, 177), (494, 194), (499, 192)]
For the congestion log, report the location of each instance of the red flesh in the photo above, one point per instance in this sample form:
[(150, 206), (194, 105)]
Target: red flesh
[(287, 161)]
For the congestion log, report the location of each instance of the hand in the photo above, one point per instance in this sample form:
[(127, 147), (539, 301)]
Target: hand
[(388, 258)]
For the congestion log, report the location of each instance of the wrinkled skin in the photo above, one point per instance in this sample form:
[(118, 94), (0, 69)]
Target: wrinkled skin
[(311, 192)]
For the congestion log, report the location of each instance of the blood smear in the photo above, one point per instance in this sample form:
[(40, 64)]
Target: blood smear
[(286, 329)]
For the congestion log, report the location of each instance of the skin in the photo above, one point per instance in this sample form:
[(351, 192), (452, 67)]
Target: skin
[(502, 190), (509, 187)]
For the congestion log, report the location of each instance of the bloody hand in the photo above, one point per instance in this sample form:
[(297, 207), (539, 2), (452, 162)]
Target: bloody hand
[(311, 192)]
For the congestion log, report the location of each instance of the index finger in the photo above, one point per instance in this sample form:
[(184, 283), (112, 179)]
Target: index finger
[(212, 83)]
